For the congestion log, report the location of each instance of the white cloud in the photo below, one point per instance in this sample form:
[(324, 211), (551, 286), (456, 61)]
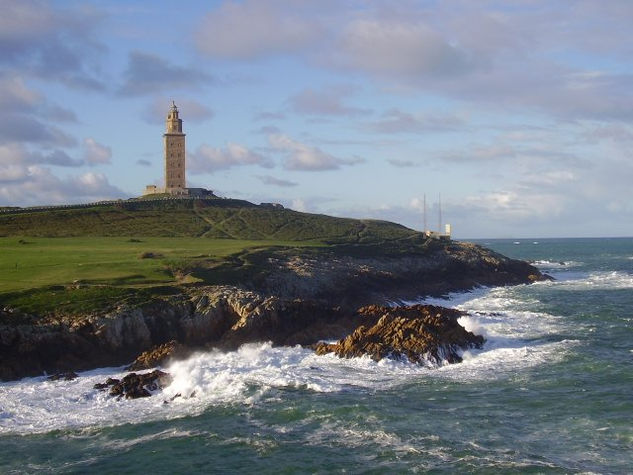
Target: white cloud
[(326, 101), (25, 18), (50, 43), (551, 178), (267, 130), (497, 152), (18, 154), (35, 185), (510, 205), (269, 116), (95, 153), (397, 121), (400, 48), (299, 156), (12, 153), (15, 95), (30, 129), (271, 180), (256, 28), (618, 133), (148, 73), (299, 205), (208, 159), (12, 173), (28, 117), (402, 163), (517, 58), (415, 203), (58, 113)]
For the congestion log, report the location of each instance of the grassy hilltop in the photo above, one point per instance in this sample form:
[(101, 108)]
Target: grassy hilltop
[(208, 218), (81, 258)]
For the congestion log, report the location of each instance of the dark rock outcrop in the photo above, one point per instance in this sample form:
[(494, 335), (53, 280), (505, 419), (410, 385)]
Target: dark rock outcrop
[(67, 376), (351, 281), (160, 355), (134, 386), (417, 333)]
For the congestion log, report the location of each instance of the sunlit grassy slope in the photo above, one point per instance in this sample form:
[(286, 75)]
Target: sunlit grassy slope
[(36, 262), (219, 218)]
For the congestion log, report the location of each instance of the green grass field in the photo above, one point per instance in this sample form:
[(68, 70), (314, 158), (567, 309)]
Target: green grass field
[(32, 262)]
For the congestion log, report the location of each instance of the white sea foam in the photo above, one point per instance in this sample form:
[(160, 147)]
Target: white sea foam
[(473, 325), (598, 280), (245, 376), (548, 264), (356, 435), (503, 359), (126, 443), (451, 299)]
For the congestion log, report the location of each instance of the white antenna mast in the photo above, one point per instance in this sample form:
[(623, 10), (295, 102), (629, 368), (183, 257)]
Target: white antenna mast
[(439, 204), (426, 228)]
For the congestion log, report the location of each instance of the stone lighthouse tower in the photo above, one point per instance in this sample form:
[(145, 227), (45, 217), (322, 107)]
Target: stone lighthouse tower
[(174, 141)]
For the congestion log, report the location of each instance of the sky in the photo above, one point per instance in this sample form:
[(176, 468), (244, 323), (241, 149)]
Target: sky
[(517, 115)]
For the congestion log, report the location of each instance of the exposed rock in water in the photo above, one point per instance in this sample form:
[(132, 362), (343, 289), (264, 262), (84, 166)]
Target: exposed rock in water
[(134, 386), (418, 333), (159, 356), (67, 376)]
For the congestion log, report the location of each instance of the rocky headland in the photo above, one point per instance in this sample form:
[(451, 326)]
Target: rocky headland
[(299, 299)]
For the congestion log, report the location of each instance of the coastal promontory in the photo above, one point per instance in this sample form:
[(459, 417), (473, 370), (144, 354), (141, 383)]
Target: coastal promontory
[(98, 285)]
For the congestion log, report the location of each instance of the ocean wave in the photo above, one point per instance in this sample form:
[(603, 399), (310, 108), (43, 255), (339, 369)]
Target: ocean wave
[(506, 359), (125, 444), (451, 299), (548, 264), (359, 435), (517, 336), (598, 280)]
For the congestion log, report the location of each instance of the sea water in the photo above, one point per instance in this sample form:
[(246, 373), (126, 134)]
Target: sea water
[(550, 392)]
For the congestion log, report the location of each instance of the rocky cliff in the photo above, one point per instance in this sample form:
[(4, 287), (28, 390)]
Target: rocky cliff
[(353, 281), (218, 316)]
